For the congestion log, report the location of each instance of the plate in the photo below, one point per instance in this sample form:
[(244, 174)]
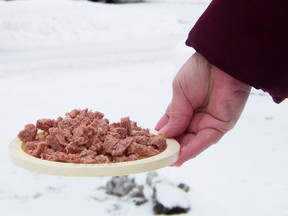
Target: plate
[(22, 159)]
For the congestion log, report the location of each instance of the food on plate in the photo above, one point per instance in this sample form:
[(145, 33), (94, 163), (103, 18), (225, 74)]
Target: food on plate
[(84, 136)]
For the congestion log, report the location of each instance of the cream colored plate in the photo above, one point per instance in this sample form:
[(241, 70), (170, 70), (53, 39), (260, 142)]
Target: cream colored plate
[(20, 158)]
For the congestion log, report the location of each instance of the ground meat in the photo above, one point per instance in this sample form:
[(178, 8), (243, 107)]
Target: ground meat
[(158, 142), (35, 148), (126, 123), (28, 133), (83, 136), (45, 124), (142, 150)]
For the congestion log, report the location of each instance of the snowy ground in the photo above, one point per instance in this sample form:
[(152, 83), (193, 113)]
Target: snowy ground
[(121, 59)]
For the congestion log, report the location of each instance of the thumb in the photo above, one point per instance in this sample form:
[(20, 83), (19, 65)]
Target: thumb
[(179, 116), (176, 125), (180, 110)]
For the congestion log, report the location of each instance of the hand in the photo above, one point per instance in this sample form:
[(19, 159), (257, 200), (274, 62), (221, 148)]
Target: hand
[(206, 103)]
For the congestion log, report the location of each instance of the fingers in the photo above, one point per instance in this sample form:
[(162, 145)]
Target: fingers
[(193, 144), (163, 120)]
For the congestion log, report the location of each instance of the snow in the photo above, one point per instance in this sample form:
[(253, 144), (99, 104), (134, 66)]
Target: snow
[(170, 196), (121, 60)]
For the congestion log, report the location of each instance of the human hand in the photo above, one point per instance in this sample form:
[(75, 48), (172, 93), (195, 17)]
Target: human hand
[(206, 103)]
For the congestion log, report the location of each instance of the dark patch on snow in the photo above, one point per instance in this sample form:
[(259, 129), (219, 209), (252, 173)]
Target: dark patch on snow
[(124, 189)]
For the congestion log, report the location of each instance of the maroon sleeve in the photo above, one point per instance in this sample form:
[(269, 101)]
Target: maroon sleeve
[(247, 39)]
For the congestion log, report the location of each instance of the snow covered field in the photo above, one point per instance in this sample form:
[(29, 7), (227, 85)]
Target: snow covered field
[(56, 55)]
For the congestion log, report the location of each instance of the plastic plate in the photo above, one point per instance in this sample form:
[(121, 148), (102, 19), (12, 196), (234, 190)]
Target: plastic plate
[(20, 158)]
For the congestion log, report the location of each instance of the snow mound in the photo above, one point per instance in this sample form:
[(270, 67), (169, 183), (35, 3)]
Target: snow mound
[(170, 196)]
